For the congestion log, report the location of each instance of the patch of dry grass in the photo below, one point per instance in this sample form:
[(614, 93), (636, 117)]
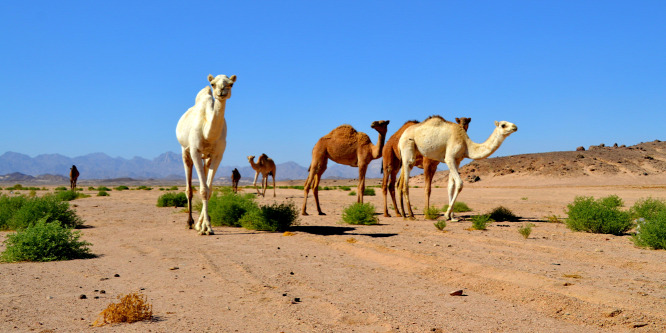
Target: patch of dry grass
[(133, 307)]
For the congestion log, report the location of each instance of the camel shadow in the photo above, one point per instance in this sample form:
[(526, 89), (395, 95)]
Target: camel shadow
[(332, 230)]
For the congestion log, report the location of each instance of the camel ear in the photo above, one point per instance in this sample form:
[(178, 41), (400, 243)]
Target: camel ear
[(210, 78), (496, 123), (233, 78), (458, 120)]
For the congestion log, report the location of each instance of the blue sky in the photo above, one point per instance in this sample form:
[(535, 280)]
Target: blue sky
[(80, 77)]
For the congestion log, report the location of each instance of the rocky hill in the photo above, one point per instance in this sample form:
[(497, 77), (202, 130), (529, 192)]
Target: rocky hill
[(644, 159)]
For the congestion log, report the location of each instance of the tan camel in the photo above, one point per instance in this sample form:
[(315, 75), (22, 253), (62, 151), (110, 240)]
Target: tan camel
[(343, 145), (235, 178), (265, 166), (391, 165), (438, 139), (73, 177), (202, 134)]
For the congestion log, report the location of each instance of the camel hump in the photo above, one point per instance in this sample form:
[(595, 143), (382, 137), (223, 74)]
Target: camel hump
[(203, 94)]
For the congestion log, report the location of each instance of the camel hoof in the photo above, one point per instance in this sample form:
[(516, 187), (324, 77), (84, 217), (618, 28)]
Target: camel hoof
[(320, 213), (304, 214), (387, 215)]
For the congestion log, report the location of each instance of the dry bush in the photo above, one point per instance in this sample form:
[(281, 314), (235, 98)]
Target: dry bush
[(132, 307)]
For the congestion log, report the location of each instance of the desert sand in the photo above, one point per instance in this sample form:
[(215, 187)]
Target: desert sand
[(332, 277)]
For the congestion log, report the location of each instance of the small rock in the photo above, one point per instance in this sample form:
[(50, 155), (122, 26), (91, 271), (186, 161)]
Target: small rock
[(49, 297), (102, 291), (82, 296), (580, 148), (173, 268), (456, 293), (614, 313), (116, 275), (291, 273), (297, 299), (598, 250), (637, 325), (566, 284)]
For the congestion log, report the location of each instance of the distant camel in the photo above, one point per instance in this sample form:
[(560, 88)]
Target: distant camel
[(73, 177), (265, 166), (344, 145), (391, 165), (235, 178), (202, 134), (438, 139)]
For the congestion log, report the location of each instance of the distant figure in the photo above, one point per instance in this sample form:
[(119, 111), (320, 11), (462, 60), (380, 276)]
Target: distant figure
[(235, 178), (73, 176)]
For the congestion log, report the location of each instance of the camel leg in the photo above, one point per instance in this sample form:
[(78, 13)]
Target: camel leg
[(264, 185), (273, 173), (455, 186), (429, 169), (210, 168), (204, 192), (391, 188), (385, 184), (315, 192), (187, 163), (306, 189), (254, 183), (361, 182), (404, 189)]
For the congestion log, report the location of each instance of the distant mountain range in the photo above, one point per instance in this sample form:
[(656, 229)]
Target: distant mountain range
[(165, 166)]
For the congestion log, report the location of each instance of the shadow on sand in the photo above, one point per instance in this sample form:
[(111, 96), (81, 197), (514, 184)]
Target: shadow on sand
[(332, 230)]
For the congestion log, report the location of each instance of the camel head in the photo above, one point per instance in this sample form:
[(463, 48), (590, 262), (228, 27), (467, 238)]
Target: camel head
[(464, 122), (380, 126), (222, 85), (505, 128), (250, 158)]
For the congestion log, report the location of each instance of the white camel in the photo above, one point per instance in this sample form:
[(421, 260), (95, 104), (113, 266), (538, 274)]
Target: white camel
[(202, 133), (440, 140)]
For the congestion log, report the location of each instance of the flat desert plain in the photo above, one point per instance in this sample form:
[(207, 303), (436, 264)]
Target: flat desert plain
[(326, 276)]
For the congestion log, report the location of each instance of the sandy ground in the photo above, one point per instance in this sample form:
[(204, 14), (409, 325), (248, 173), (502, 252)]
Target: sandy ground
[(332, 277)]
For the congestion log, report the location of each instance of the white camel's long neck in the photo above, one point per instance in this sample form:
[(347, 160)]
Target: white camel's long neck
[(478, 151), (215, 123)]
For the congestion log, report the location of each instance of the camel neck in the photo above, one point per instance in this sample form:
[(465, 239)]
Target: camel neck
[(214, 124), (478, 151), (377, 149)]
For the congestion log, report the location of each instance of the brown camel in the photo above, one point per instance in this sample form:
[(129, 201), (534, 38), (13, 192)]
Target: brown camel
[(266, 166), (391, 165), (235, 178), (343, 145), (73, 177)]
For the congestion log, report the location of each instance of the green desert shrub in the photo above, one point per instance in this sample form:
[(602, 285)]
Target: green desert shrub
[(144, 187), (45, 241), (526, 230), (103, 194), (345, 188), (440, 225), (103, 188), (651, 223), (480, 222), (275, 217), (432, 213), (69, 195), (647, 208), (352, 193), (33, 209), (16, 187), (458, 207), (60, 188), (9, 205), (360, 213), (227, 208), (172, 199), (172, 188), (651, 232), (602, 216), (369, 192), (121, 188), (501, 214)]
